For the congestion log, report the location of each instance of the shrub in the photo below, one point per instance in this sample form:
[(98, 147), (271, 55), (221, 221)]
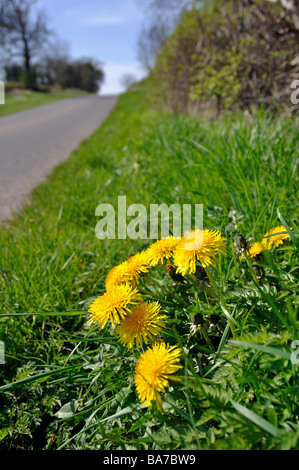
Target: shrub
[(238, 53)]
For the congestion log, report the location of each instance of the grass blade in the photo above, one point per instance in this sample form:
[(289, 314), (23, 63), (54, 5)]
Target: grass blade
[(37, 377), (288, 229), (256, 419), (266, 349)]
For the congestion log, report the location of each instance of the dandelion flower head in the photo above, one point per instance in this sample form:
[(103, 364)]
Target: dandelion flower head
[(153, 372), (201, 246), (141, 324), (275, 237), (113, 305), (162, 250), (129, 271), (254, 250)]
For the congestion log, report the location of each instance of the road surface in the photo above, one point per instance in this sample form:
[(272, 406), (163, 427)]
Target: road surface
[(33, 142)]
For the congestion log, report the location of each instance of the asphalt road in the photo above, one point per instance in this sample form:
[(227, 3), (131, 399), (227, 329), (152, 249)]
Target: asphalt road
[(33, 142)]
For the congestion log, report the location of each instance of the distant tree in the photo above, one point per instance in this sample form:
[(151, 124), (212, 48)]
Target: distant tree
[(169, 10), (87, 75), (150, 42), (161, 18), (57, 68), (13, 72), (23, 30), (54, 64), (127, 80)]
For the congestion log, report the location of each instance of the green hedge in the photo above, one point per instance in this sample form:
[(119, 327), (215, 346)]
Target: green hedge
[(236, 53)]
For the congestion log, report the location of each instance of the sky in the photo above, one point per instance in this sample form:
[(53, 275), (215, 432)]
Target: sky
[(105, 30)]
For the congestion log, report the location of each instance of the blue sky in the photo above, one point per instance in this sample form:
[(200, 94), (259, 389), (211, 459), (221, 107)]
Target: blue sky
[(102, 29)]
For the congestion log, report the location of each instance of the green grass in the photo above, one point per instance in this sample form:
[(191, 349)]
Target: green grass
[(67, 385), (21, 100)]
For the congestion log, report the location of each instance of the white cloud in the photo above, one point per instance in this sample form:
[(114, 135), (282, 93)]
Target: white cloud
[(113, 74), (127, 11), (102, 20)]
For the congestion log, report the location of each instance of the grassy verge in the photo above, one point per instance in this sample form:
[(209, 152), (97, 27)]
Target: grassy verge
[(25, 99), (67, 385)]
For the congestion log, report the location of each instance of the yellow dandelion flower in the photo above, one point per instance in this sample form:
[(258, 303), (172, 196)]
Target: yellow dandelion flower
[(129, 271), (153, 371), (116, 276), (275, 237), (198, 246), (162, 250), (137, 266), (113, 305), (254, 250), (143, 323)]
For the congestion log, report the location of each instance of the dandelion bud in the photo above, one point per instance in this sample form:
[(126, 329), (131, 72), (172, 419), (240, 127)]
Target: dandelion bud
[(173, 274), (240, 244)]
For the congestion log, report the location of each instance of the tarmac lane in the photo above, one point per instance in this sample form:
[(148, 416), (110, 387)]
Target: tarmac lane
[(35, 141)]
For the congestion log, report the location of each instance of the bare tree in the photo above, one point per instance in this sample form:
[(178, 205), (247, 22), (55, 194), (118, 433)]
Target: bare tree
[(54, 64), (168, 9), (161, 18), (23, 30), (127, 80), (150, 42)]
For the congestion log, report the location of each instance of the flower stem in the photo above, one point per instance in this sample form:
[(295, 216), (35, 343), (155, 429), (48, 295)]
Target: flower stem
[(157, 284), (222, 299)]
